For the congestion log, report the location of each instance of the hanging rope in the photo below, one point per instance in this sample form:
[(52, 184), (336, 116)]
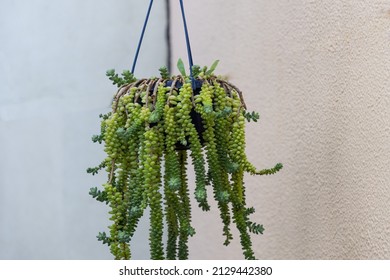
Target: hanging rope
[(142, 36), (186, 35), (187, 39)]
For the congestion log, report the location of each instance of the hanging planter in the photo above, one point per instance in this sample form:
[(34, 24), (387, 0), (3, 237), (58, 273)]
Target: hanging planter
[(154, 127)]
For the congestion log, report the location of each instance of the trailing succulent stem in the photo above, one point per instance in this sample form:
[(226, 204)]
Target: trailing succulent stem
[(154, 126)]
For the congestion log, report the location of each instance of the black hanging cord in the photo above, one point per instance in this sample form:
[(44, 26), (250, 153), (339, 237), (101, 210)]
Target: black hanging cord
[(168, 36), (186, 34), (187, 40), (142, 36)]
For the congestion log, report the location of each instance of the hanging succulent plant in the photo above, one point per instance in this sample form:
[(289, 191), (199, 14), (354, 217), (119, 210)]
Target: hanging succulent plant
[(160, 122)]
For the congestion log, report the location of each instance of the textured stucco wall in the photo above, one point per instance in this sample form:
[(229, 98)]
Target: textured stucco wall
[(319, 74), (53, 58)]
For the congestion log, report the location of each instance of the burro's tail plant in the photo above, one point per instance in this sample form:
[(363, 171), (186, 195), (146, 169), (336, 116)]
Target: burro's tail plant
[(155, 126)]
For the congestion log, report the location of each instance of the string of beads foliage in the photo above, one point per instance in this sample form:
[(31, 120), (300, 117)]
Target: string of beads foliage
[(155, 126)]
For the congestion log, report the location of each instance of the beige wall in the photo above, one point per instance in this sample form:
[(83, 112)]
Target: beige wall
[(318, 72)]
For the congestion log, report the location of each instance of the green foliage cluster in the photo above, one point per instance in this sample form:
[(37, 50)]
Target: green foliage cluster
[(144, 136), (126, 78)]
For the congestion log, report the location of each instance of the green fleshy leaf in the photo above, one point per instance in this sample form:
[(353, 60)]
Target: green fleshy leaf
[(174, 184), (180, 66), (195, 71), (128, 77), (164, 72), (212, 68), (255, 228), (104, 238)]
